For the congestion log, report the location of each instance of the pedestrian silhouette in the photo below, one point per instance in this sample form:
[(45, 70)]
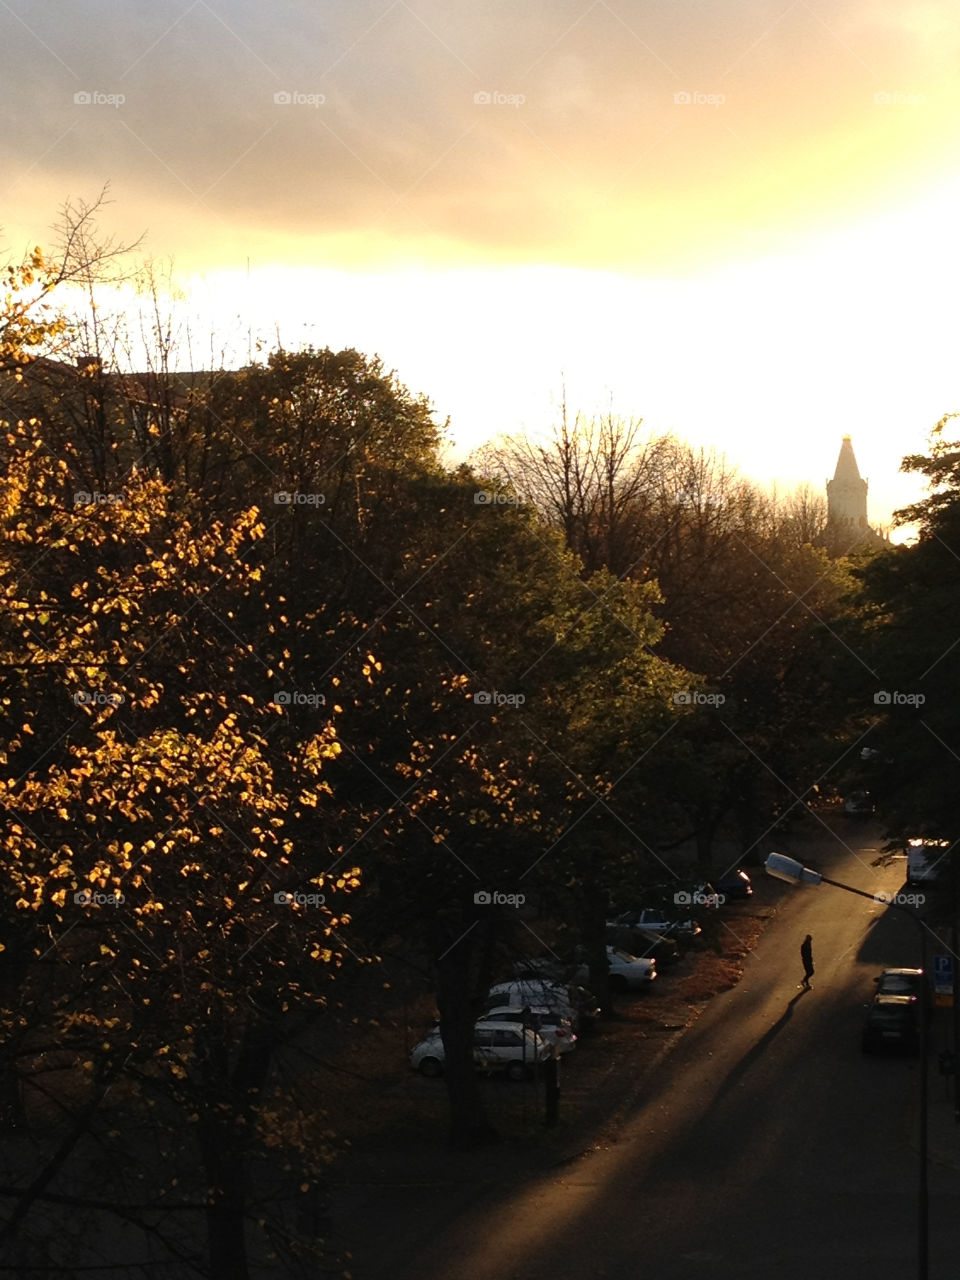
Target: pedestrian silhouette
[(806, 955)]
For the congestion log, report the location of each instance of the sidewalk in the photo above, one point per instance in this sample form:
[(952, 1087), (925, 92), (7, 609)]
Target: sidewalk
[(943, 1132)]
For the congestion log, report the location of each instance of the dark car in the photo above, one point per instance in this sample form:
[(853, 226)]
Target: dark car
[(905, 982), (735, 886), (891, 1024), (859, 804)]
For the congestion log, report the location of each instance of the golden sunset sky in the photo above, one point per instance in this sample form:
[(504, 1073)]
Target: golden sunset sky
[(736, 220)]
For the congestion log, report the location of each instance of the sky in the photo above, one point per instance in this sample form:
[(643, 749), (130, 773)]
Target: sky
[(734, 219)]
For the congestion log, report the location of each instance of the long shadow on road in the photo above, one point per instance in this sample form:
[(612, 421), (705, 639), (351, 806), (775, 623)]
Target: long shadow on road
[(758, 1050)]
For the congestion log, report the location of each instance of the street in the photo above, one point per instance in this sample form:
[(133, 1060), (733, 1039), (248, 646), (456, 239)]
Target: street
[(768, 1144)]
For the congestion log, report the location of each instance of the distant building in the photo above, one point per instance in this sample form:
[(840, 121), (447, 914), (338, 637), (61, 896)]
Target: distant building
[(847, 524), (109, 421)]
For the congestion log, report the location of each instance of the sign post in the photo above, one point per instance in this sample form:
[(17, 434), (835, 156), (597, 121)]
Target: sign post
[(943, 981)]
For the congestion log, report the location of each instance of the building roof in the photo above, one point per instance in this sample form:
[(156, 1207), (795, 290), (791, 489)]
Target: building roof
[(847, 470)]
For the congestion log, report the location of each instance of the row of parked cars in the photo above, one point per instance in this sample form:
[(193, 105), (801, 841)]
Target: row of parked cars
[(660, 930), (543, 1010), (526, 1021)]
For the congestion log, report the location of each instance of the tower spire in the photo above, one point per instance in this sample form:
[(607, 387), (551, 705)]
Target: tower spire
[(847, 492)]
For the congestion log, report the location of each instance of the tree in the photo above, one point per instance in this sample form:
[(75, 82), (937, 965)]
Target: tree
[(904, 696), (145, 761), (744, 597)]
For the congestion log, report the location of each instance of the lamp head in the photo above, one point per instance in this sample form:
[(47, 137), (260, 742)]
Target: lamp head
[(789, 869)]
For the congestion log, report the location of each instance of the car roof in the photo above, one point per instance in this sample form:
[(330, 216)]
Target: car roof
[(904, 973), (502, 1026), (893, 1002), (541, 1010), (533, 980), (628, 955)]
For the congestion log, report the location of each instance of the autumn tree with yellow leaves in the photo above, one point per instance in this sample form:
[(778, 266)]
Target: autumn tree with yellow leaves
[(170, 911)]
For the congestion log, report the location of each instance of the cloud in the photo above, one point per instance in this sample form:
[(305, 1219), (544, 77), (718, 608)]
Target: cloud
[(579, 154)]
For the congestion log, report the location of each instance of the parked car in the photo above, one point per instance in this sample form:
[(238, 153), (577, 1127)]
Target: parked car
[(533, 992), (586, 1004), (561, 975), (496, 1045), (735, 886), (516, 1048), (926, 860), (552, 1027), (657, 920), (891, 1023), (628, 972), (859, 804), (906, 982), (644, 942), (703, 896), (901, 982)]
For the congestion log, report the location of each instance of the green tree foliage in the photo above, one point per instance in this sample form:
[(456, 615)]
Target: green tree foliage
[(905, 689), (746, 601)]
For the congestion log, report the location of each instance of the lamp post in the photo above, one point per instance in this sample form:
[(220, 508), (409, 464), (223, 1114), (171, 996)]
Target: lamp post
[(794, 872)]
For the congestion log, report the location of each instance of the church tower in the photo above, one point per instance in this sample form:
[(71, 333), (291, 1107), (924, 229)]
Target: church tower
[(847, 494), (846, 530)]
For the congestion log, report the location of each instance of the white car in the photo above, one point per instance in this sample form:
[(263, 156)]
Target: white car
[(552, 1027), (628, 972), (657, 921), (926, 860), (534, 992), (506, 1045)]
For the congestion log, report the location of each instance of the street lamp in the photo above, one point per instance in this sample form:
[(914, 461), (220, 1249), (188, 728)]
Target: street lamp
[(794, 872)]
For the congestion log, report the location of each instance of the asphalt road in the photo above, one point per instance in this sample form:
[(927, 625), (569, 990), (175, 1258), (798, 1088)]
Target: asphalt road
[(768, 1146)]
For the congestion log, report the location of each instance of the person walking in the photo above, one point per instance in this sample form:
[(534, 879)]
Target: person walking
[(806, 956)]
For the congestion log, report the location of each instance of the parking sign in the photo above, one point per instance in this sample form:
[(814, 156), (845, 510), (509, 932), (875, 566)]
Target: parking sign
[(943, 980)]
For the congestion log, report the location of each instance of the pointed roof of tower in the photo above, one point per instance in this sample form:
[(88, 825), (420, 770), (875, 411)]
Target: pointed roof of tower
[(847, 469)]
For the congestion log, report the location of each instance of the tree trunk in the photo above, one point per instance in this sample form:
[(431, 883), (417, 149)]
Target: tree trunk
[(469, 1126), (595, 942), (750, 832), (226, 1178), (705, 833), (222, 1139)]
